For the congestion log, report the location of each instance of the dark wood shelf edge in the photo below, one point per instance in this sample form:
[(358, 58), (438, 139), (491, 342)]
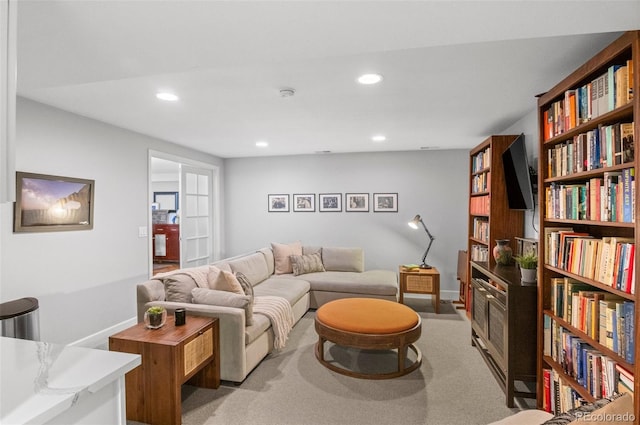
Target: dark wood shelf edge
[(594, 283)]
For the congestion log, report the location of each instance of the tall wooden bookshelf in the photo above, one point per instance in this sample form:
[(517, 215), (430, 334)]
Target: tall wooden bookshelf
[(489, 215), (586, 184)]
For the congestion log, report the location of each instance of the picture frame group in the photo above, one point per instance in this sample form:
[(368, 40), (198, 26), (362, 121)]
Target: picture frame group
[(332, 202)]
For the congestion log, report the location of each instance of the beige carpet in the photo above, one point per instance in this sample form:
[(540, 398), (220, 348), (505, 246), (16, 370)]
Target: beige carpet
[(452, 386)]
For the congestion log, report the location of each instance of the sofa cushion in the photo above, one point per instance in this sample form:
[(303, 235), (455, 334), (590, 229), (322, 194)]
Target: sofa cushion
[(308, 250), (177, 287), (281, 254), (268, 256), (290, 289), (224, 299), (222, 265), (303, 264), (223, 280), (371, 282), (343, 259), (253, 266), (247, 287)]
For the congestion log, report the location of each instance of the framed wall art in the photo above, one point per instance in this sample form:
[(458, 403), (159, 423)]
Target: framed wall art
[(278, 203), (46, 203), (330, 202), (385, 202), (358, 202), (304, 202)]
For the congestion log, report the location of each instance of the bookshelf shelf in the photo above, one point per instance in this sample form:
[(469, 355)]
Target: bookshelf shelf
[(587, 288)]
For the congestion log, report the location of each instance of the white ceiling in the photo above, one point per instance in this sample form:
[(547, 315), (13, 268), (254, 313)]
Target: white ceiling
[(454, 72)]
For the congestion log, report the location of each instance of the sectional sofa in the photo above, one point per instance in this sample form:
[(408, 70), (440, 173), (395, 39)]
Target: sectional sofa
[(307, 277)]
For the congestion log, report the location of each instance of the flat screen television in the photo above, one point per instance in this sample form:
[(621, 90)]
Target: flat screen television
[(517, 176)]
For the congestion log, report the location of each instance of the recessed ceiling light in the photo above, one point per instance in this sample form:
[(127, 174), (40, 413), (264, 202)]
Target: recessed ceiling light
[(169, 97), (262, 144), (370, 79), (379, 138)]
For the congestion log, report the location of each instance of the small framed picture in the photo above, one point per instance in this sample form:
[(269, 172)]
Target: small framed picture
[(356, 202), (279, 203), (330, 202), (304, 202), (385, 202)]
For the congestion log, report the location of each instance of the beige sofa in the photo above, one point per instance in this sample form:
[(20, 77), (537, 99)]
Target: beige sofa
[(242, 347)]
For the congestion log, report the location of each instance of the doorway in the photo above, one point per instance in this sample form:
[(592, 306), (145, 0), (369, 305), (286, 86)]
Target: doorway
[(184, 222), (165, 209)]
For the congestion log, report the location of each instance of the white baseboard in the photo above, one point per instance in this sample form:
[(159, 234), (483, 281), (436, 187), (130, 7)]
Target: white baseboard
[(101, 339)]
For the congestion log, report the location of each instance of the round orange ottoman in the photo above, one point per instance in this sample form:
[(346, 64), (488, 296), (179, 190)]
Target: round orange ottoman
[(370, 324)]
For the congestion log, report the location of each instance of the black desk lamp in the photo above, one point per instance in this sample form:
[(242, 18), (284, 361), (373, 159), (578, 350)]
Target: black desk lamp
[(414, 225)]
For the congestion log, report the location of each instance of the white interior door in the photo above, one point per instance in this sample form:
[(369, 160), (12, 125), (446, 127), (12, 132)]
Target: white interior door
[(195, 216)]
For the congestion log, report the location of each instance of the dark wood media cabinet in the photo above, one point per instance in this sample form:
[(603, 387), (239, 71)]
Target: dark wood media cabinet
[(503, 327)]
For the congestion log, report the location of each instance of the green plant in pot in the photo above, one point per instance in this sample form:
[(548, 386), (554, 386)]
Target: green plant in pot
[(155, 317), (528, 267)]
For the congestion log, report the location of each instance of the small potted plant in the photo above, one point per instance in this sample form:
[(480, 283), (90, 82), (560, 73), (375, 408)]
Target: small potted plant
[(155, 317), (528, 267)]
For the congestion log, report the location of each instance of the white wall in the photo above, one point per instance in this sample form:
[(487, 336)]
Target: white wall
[(433, 184), (84, 280)]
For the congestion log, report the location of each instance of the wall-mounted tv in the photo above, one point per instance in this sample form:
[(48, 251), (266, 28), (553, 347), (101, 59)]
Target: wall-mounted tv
[(517, 176)]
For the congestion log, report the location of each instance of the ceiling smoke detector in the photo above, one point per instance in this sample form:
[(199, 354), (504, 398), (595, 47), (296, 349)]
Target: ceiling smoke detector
[(287, 92)]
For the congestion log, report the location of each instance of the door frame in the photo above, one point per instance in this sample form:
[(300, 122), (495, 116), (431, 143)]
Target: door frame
[(215, 200)]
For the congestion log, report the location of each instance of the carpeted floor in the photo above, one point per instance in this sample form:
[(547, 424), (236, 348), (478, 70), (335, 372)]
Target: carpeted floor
[(452, 386)]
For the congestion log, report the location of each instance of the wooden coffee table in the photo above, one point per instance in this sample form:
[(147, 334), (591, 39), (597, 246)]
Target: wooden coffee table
[(171, 356), (369, 324)]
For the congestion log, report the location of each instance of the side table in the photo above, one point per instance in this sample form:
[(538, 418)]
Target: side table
[(421, 281), (171, 356)]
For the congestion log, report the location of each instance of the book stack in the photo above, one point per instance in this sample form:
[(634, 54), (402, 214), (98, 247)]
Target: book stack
[(481, 161), (608, 91), (609, 260), (602, 316), (605, 146), (479, 205)]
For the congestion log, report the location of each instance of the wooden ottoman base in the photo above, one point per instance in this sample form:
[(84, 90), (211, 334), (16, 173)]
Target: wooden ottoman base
[(401, 340)]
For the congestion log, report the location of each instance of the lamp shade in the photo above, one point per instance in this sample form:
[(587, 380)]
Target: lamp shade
[(414, 223)]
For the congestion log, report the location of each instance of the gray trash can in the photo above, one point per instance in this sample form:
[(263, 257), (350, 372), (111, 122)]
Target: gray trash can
[(20, 319)]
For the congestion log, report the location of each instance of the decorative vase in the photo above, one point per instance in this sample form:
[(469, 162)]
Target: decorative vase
[(502, 252), (529, 275), (155, 320)]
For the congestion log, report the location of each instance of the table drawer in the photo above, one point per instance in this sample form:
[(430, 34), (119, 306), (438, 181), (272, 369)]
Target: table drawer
[(197, 351), (420, 283)]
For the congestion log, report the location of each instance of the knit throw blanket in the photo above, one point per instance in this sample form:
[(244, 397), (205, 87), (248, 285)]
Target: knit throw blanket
[(279, 312)]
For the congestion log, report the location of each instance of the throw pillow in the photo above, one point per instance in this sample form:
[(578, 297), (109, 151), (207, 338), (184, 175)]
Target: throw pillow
[(303, 264), (281, 254), (248, 291), (223, 280), (343, 259), (177, 287), (221, 298)]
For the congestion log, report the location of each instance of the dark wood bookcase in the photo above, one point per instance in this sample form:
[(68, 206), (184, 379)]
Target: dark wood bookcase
[(489, 215), (577, 157)]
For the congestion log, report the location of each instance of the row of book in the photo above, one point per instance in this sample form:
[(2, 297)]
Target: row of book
[(481, 160), (479, 205), (481, 182), (479, 253), (598, 373), (608, 198), (608, 91), (559, 397), (602, 316), (609, 260), (605, 146), (481, 229)]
